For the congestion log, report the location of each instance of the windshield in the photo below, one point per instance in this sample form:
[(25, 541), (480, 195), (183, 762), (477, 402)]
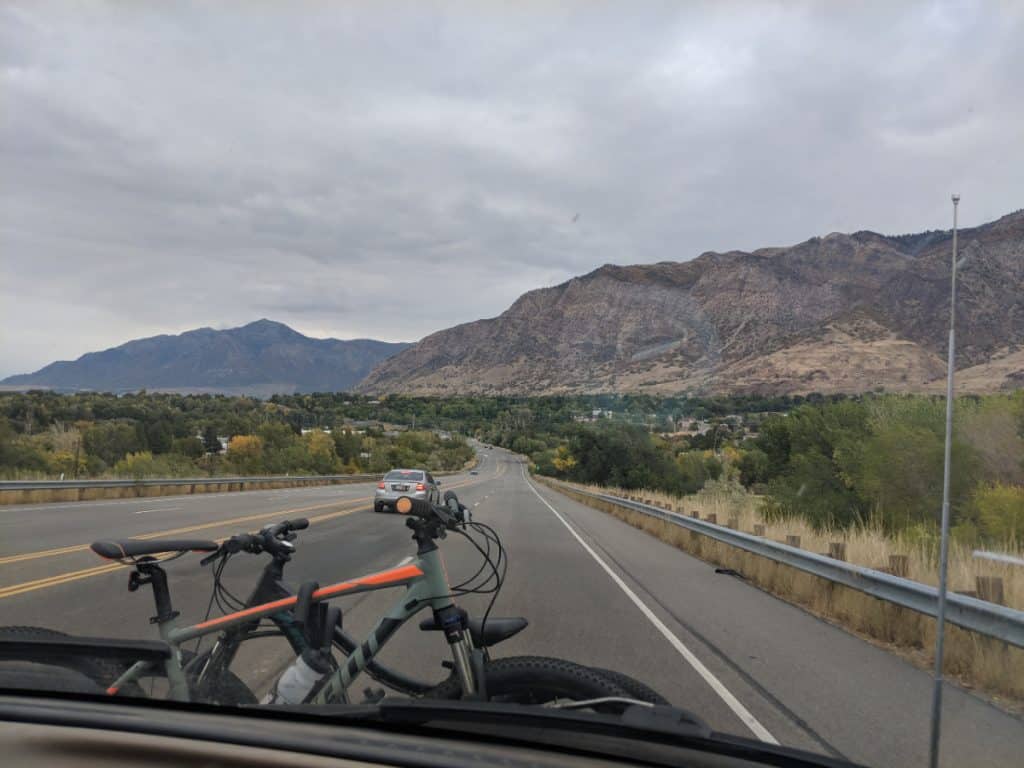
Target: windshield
[(404, 474), (658, 352)]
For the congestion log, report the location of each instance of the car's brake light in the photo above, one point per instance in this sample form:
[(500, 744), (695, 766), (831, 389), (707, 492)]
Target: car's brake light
[(420, 487), (381, 485)]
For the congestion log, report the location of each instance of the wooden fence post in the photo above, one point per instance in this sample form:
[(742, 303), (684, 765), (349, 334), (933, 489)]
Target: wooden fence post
[(793, 541), (837, 550), (990, 588), (758, 529), (899, 565)]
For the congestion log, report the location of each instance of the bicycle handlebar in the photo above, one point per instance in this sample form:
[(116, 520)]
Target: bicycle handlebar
[(451, 513), (272, 538)]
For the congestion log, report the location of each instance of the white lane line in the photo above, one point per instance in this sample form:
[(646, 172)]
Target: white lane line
[(716, 685), (162, 509)]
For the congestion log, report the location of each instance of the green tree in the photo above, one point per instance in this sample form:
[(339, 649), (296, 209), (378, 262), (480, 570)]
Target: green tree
[(753, 466), (159, 436), (192, 447), (347, 445), (111, 441), (693, 470), (1000, 512), (898, 467), (210, 440)]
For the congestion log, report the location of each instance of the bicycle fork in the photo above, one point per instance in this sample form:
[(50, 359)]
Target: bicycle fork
[(468, 659)]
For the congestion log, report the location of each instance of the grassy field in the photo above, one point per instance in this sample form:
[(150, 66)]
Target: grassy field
[(976, 661)]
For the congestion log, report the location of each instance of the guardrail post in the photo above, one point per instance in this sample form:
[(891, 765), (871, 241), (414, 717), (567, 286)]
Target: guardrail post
[(899, 565), (990, 588), (758, 529), (793, 541), (837, 550), (695, 513), (733, 522), (711, 518)]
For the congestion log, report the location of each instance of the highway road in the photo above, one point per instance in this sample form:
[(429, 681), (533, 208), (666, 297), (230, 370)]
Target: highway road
[(595, 590)]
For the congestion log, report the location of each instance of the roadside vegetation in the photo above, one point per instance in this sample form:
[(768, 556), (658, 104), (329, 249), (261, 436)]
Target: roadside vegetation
[(47, 435), (871, 463), (827, 463)]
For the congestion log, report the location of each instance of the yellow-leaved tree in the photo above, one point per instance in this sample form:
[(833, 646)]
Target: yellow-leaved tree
[(563, 460), (245, 452)]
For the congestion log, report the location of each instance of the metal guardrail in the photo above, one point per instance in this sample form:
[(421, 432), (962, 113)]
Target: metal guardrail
[(991, 619), (997, 557), (46, 485)]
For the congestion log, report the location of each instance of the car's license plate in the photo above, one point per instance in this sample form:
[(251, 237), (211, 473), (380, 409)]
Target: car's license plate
[(399, 487)]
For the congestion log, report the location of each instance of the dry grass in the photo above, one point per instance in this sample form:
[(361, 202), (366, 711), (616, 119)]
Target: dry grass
[(977, 661), (864, 546)]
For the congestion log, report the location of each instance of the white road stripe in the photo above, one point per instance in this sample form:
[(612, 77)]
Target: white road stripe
[(716, 685), (162, 509)]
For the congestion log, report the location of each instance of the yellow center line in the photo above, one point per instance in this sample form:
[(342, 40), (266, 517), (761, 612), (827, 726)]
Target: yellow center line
[(63, 578), (176, 531)]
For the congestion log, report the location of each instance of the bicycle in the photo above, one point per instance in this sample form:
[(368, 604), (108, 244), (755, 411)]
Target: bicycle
[(304, 619)]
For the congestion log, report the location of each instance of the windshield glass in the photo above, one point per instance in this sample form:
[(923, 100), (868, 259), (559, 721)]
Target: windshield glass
[(404, 474), (658, 352)]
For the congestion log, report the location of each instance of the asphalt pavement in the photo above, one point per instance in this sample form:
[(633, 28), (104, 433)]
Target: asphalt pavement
[(594, 589)]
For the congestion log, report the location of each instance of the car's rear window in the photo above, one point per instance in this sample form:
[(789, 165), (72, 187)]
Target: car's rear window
[(404, 474)]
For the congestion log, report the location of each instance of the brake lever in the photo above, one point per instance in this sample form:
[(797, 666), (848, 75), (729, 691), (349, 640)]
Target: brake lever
[(210, 558)]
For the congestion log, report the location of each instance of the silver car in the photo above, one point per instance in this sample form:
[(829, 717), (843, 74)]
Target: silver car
[(416, 483)]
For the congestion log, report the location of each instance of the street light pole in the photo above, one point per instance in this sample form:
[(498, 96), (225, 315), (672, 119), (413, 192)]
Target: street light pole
[(940, 619)]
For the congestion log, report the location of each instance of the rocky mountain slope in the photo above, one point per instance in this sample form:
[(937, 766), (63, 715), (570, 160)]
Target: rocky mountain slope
[(838, 313), (260, 358)]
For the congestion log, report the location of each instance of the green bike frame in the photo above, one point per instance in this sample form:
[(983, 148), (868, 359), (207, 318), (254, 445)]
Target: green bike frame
[(426, 586)]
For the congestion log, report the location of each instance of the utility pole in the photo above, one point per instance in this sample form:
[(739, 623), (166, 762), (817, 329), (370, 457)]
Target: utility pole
[(940, 619)]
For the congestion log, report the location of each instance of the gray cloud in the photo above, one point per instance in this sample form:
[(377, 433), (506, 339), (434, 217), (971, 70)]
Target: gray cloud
[(164, 167)]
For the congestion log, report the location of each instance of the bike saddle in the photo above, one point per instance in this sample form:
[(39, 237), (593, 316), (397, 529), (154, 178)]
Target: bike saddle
[(496, 630), (122, 549)]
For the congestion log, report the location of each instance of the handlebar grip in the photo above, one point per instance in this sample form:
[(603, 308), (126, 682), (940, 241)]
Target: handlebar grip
[(407, 505), (298, 524)]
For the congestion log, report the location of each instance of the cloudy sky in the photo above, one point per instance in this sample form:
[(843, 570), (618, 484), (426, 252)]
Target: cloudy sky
[(385, 170)]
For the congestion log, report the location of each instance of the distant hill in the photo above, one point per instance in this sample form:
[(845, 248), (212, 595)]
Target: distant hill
[(840, 313), (260, 358)]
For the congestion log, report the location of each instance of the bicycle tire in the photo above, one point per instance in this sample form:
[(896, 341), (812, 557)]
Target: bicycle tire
[(632, 686), (100, 671), (538, 680), (227, 690), (52, 678)]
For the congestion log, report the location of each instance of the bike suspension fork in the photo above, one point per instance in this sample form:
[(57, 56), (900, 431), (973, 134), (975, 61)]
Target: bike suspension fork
[(453, 622)]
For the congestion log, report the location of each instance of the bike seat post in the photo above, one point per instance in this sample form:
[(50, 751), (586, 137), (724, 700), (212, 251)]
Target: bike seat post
[(147, 571)]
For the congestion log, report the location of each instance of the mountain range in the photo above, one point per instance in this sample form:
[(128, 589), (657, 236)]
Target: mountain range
[(260, 358), (841, 313)]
